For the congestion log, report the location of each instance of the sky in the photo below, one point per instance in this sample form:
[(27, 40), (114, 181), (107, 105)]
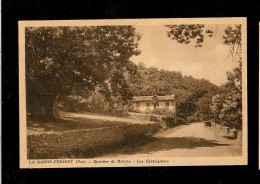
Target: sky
[(209, 62)]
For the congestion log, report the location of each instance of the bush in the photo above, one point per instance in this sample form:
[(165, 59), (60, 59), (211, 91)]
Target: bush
[(181, 121), (155, 118), (193, 118), (224, 123), (95, 103), (236, 125), (72, 103), (170, 121), (162, 111), (130, 108), (135, 111)]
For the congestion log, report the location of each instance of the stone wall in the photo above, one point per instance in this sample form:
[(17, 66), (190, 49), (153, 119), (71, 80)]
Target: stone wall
[(139, 116), (68, 144), (162, 120)]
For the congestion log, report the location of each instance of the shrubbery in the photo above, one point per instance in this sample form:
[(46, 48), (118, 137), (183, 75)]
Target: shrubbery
[(73, 103), (193, 118), (181, 121), (162, 111), (95, 104), (234, 125), (131, 108)]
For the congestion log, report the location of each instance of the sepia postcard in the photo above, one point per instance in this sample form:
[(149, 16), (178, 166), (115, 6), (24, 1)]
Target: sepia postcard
[(133, 92)]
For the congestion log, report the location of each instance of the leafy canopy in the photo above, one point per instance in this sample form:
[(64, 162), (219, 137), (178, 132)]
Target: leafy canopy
[(61, 60)]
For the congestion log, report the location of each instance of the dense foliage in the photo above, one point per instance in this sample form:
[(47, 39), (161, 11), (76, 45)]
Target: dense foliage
[(192, 95), (184, 34), (227, 104), (73, 60), (91, 65)]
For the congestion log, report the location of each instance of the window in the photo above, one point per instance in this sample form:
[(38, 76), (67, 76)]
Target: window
[(167, 104), (138, 105), (147, 105)]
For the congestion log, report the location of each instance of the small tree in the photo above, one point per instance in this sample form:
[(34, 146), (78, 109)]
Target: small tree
[(216, 105)]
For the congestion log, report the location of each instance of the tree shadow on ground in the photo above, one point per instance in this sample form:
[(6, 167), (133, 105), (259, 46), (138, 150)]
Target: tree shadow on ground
[(150, 145), (164, 144)]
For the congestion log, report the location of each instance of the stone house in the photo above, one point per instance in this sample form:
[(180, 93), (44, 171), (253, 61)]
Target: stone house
[(145, 103)]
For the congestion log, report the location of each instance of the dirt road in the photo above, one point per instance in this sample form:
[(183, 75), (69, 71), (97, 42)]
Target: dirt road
[(183, 141)]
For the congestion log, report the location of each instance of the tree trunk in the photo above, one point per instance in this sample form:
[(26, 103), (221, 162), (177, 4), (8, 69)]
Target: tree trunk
[(44, 107), (51, 107), (55, 108), (34, 107)]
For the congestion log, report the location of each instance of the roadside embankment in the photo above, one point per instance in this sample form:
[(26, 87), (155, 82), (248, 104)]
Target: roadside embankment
[(70, 144)]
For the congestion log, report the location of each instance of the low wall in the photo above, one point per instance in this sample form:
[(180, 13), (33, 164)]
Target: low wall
[(139, 116), (67, 144), (164, 121), (237, 135)]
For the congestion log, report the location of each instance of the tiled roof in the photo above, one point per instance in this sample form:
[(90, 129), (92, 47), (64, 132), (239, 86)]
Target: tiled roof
[(149, 98)]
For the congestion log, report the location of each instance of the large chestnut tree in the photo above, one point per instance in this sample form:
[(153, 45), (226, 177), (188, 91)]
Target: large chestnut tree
[(68, 60)]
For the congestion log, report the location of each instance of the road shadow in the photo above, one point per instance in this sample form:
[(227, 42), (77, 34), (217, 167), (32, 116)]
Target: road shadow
[(150, 145), (164, 144)]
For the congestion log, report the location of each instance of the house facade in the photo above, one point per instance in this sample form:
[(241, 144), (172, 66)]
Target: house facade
[(145, 103)]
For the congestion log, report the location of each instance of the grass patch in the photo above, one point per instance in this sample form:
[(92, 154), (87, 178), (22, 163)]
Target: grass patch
[(69, 123)]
